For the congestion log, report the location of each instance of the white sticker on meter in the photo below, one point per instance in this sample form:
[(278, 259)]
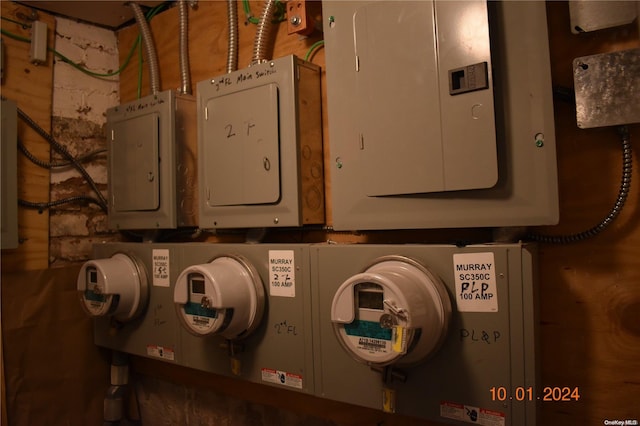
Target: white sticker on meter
[(161, 268), (282, 272), (475, 278)]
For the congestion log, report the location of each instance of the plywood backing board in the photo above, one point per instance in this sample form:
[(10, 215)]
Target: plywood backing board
[(31, 87), (589, 291)]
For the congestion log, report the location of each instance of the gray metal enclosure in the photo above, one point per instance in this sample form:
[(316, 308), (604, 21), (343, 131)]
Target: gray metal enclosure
[(489, 342)]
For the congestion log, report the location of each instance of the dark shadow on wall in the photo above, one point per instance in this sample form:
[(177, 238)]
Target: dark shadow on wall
[(53, 372)]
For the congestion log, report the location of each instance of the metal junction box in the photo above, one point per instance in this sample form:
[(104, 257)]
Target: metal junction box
[(480, 337), (454, 129), (152, 163), (260, 146)]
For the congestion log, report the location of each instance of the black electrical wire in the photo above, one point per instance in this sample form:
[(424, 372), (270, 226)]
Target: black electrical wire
[(625, 185), (44, 206), (102, 202), (52, 165)]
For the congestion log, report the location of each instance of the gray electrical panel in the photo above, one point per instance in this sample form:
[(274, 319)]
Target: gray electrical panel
[(260, 146), (436, 332), (152, 163), (155, 333), (9, 177), (489, 341), (455, 129), (278, 352)]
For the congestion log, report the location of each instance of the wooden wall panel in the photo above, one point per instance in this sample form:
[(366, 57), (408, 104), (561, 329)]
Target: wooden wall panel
[(589, 291), (31, 87)]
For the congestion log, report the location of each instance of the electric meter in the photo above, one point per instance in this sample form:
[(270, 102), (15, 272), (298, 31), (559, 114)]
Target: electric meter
[(224, 297), (395, 312), (115, 286)]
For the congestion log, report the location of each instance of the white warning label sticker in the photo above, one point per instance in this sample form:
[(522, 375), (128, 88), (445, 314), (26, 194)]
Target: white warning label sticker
[(161, 268), (475, 278), (470, 414), (161, 352), (282, 378), (282, 273)]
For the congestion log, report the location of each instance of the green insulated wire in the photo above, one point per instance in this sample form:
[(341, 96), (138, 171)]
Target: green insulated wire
[(22, 24), (153, 12), (69, 61), (313, 47), (279, 14), (247, 10)]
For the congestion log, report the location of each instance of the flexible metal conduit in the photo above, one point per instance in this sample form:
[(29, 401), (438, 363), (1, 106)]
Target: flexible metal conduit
[(625, 185), (185, 78), (232, 56), (263, 32), (65, 152), (154, 73)]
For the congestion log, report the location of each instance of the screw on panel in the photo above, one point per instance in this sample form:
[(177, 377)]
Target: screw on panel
[(339, 162), (539, 138), (276, 220), (295, 20)]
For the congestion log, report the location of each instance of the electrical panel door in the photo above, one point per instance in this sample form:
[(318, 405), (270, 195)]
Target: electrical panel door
[(260, 146), (152, 163), (414, 125), (440, 114), (427, 331), (244, 146), (135, 162)]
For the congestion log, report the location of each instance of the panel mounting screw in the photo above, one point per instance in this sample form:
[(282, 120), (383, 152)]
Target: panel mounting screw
[(539, 140), (276, 220), (339, 162), (295, 20)]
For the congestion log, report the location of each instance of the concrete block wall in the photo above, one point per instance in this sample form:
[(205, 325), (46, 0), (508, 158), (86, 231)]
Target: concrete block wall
[(80, 102)]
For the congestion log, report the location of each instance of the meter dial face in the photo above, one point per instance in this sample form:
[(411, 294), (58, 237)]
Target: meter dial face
[(395, 311), (95, 303), (224, 297), (198, 313), (115, 286)]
